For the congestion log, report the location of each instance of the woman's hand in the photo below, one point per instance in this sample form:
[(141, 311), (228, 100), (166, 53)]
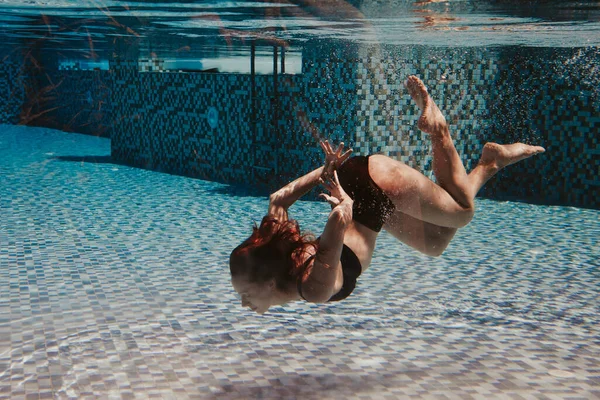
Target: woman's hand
[(337, 193), (333, 159)]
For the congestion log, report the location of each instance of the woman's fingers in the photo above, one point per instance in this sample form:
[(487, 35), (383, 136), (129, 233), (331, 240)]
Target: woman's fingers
[(340, 155), (335, 178), (333, 159), (327, 183), (326, 146), (331, 200), (332, 184), (332, 188), (345, 156), (329, 149)]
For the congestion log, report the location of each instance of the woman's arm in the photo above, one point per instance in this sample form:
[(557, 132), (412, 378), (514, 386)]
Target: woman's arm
[(325, 278), (282, 199)]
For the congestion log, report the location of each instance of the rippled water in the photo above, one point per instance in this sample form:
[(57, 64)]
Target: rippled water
[(168, 27)]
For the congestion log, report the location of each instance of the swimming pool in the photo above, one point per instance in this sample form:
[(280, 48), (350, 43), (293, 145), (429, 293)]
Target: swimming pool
[(114, 280), (115, 284)]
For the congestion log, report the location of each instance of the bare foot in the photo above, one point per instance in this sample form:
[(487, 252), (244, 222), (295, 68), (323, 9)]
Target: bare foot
[(431, 120), (499, 156)]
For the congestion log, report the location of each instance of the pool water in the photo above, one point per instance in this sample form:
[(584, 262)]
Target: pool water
[(114, 283), (114, 280)]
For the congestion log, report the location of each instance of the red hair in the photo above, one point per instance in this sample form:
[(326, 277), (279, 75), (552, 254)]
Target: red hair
[(274, 251)]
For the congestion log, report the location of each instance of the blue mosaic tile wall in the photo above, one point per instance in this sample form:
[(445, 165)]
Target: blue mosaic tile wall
[(540, 96), (12, 86), (84, 104), (265, 130), (550, 96), (163, 119), (460, 81), (35, 91), (161, 122), (318, 104)]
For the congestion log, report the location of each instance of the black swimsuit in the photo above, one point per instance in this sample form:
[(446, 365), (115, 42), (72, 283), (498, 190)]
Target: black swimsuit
[(372, 207), (351, 270)]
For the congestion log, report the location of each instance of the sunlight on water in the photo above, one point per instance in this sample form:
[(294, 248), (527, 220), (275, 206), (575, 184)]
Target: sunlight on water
[(445, 24)]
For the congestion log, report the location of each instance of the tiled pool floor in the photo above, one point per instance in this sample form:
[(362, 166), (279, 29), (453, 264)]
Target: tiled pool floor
[(114, 283)]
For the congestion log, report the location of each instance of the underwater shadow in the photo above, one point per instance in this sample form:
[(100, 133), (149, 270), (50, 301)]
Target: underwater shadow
[(241, 190), (88, 159), (91, 159), (311, 386)]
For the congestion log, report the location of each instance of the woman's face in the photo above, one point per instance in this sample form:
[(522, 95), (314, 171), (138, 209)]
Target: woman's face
[(257, 297)]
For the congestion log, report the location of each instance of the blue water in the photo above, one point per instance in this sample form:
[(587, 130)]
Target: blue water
[(188, 29), (114, 283)]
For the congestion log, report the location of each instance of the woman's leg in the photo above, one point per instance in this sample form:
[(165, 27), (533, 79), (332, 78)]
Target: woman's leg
[(416, 195), (427, 238), (449, 204), (447, 164)]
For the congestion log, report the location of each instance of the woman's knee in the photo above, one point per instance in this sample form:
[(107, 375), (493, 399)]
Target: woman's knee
[(466, 216), (435, 250), (437, 239)]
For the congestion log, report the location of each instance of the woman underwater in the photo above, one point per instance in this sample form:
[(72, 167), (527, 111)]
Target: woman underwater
[(278, 264)]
